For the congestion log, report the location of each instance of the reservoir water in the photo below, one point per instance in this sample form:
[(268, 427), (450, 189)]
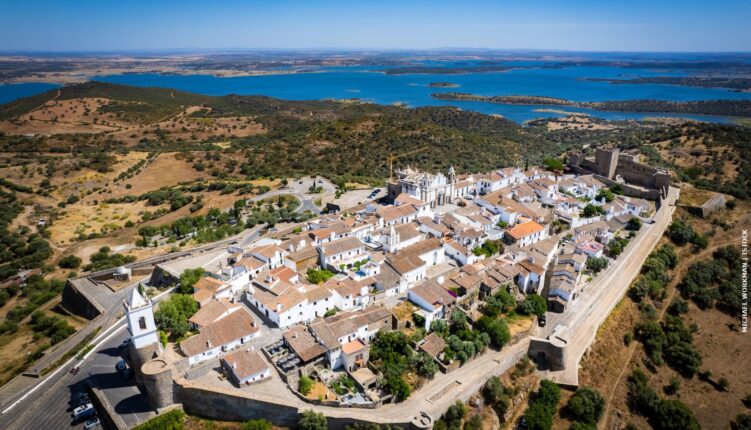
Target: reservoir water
[(369, 83)]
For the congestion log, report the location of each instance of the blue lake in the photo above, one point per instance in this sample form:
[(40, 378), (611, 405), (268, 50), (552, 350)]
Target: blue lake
[(371, 84)]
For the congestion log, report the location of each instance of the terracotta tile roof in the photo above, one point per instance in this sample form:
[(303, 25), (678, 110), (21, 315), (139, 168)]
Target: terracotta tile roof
[(245, 363), (316, 293), (209, 283), (405, 263), (347, 323), (391, 213), (212, 311), (340, 246), (353, 346), (203, 296), (236, 325), (531, 267), (251, 263), (284, 273), (268, 251), (407, 231), (429, 223), (433, 345), (288, 300), (525, 229), (405, 198), (421, 247), (307, 253), (433, 293), (303, 344)]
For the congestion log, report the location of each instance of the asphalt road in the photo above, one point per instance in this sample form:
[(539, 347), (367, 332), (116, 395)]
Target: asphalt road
[(47, 407)]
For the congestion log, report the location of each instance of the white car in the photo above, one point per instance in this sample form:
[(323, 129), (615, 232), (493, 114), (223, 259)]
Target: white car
[(90, 424), (82, 409)]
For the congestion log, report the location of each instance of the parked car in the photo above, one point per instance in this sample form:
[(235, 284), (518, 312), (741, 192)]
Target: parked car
[(83, 412), (85, 415), (76, 403), (121, 365), (81, 409), (92, 423), (541, 321)]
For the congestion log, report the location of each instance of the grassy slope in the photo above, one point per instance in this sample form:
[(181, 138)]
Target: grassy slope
[(329, 137)]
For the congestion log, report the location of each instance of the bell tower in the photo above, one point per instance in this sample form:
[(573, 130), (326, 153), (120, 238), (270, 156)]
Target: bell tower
[(393, 239), (141, 325)]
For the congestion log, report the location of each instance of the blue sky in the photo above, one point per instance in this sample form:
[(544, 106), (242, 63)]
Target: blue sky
[(604, 25)]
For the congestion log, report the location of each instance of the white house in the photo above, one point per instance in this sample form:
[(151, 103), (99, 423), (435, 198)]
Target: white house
[(219, 337), (433, 299), (342, 253), (246, 366), (527, 233)]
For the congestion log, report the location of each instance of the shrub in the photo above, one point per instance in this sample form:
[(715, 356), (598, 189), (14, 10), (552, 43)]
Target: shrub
[(318, 276), (539, 415), (496, 395), (742, 422), (586, 405), (173, 313), (633, 224), (69, 262), (597, 264), (533, 304), (305, 385), (310, 420), (188, 278), (453, 417)]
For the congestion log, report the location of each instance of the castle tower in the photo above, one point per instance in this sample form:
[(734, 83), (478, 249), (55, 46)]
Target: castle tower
[(140, 314), (606, 161)]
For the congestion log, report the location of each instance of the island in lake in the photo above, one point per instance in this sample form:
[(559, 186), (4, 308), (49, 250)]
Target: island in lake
[(736, 84), (735, 108), (443, 85)]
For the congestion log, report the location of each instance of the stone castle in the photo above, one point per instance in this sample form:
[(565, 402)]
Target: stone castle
[(612, 167)]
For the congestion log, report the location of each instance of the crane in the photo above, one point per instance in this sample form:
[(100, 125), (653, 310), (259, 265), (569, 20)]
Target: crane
[(393, 157)]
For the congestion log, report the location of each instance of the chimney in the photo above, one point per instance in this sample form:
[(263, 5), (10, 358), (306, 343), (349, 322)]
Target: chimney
[(234, 365), (269, 279), (439, 280), (208, 343)]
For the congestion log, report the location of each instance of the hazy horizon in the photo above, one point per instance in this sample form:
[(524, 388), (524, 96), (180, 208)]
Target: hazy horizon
[(668, 26)]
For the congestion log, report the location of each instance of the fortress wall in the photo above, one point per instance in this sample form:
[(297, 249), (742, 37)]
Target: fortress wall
[(225, 405), (630, 191), (139, 357), (157, 377)]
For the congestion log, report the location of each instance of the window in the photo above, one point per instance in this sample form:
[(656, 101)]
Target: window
[(142, 323)]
